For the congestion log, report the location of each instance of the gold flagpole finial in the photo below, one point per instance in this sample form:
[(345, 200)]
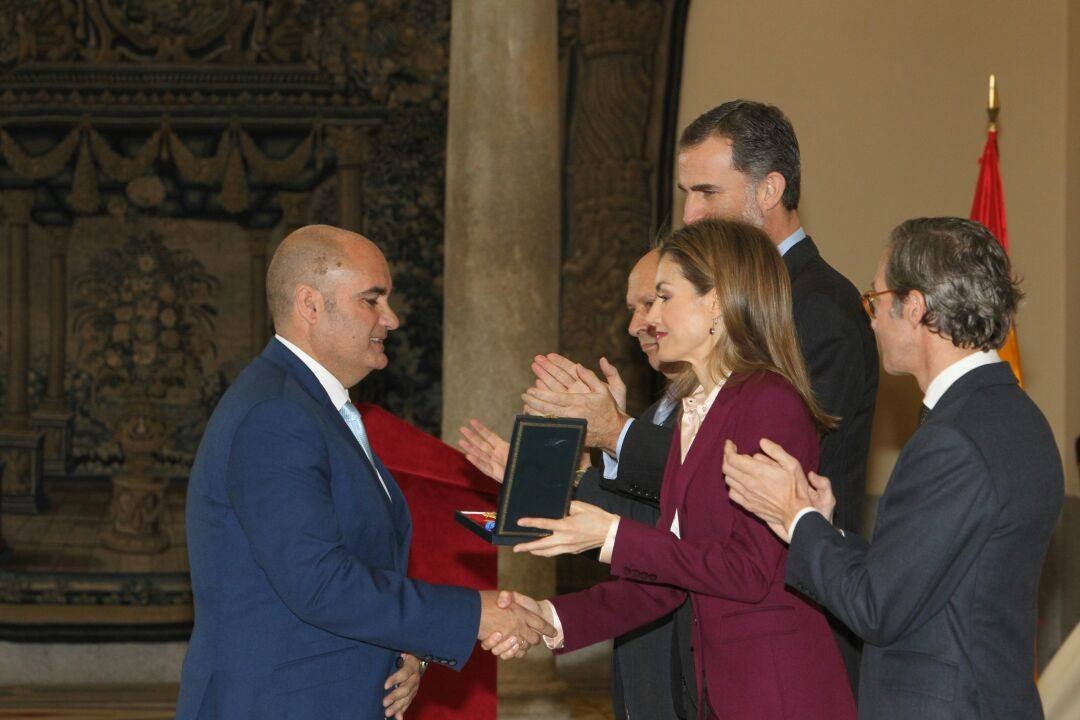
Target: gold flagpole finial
[(992, 105)]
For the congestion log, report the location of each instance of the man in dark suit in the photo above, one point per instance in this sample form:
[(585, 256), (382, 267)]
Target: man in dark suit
[(298, 536), (741, 161), (945, 592), (643, 686)]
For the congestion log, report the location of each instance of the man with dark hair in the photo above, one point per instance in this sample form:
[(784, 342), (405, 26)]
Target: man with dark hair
[(945, 592), (740, 161)]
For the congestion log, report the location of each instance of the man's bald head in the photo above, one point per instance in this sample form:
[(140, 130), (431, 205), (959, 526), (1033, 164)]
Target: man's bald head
[(329, 293), (312, 256)]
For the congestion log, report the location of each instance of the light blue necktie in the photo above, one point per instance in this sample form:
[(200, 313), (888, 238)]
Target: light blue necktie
[(352, 418)]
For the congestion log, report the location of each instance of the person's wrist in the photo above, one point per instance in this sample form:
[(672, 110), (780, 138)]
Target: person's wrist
[(610, 438)]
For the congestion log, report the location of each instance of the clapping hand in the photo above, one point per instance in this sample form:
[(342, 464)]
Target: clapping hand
[(508, 632), (484, 449), (579, 393), (559, 374), (771, 484), (403, 685)]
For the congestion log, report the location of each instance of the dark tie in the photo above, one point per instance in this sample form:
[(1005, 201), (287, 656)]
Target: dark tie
[(923, 413)]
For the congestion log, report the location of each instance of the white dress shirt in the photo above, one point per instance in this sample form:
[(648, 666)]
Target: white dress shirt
[(937, 387), (339, 394)]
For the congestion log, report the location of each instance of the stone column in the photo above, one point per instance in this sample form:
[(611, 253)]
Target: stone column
[(501, 274), (350, 144), (258, 240), (54, 418), (20, 445), (17, 206)]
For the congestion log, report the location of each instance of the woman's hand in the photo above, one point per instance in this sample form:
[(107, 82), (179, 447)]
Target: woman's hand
[(585, 528), (484, 449)]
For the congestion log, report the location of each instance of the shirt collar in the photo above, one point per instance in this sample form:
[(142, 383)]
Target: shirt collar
[(790, 240), (954, 372), (698, 403), (339, 395), (664, 409)]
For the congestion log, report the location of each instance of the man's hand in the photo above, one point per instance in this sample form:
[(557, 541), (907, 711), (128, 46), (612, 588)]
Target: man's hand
[(511, 630), (403, 685), (615, 384), (597, 406), (484, 449), (773, 486), (585, 528), (821, 495), (505, 600), (559, 374)]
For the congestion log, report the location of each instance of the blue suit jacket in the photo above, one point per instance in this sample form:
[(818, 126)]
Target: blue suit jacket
[(298, 562)]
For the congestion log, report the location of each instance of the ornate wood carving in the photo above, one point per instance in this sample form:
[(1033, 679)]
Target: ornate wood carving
[(617, 69)]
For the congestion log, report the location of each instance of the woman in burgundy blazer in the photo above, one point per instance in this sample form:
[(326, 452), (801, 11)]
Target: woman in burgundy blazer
[(761, 651)]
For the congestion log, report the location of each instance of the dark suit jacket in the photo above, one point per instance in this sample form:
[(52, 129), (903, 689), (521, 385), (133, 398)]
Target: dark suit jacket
[(298, 562), (641, 665), (841, 356), (945, 593), (643, 458), (762, 651)]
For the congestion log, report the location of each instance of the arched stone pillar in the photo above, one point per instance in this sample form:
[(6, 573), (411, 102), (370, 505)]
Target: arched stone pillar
[(501, 274), (350, 144), (20, 445), (54, 418), (258, 241)]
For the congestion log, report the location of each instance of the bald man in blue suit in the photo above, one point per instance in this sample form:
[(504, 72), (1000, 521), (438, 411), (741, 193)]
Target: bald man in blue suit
[(298, 536)]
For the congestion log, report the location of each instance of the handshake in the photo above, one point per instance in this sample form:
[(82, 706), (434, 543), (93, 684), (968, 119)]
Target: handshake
[(512, 623)]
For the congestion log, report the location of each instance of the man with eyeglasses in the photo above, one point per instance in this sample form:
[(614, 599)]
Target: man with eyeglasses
[(944, 594)]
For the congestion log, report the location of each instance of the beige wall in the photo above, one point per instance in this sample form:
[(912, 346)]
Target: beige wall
[(888, 100), (1072, 255)]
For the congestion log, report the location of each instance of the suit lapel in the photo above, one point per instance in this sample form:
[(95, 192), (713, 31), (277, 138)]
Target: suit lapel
[(280, 355), (715, 420), (800, 255), (999, 373)]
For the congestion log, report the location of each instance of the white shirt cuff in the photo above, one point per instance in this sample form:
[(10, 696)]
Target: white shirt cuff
[(609, 542), (559, 640), (622, 436), (611, 462), (798, 517), (611, 465)]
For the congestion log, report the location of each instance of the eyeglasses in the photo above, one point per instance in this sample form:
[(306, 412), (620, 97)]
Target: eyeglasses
[(868, 301)]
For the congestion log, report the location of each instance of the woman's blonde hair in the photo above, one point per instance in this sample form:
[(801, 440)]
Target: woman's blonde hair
[(753, 293)]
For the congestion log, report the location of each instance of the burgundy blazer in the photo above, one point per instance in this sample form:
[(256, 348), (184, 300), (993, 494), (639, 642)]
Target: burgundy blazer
[(762, 651)]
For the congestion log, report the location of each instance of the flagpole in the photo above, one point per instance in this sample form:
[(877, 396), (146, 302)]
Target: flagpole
[(992, 105)]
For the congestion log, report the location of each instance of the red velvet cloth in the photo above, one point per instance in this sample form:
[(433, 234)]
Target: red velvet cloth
[(437, 480)]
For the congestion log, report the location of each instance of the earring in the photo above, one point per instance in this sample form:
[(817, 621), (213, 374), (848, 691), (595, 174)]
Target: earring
[(712, 330)]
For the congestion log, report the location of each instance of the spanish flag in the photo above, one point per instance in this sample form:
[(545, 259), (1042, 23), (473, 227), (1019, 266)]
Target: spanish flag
[(988, 208)]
